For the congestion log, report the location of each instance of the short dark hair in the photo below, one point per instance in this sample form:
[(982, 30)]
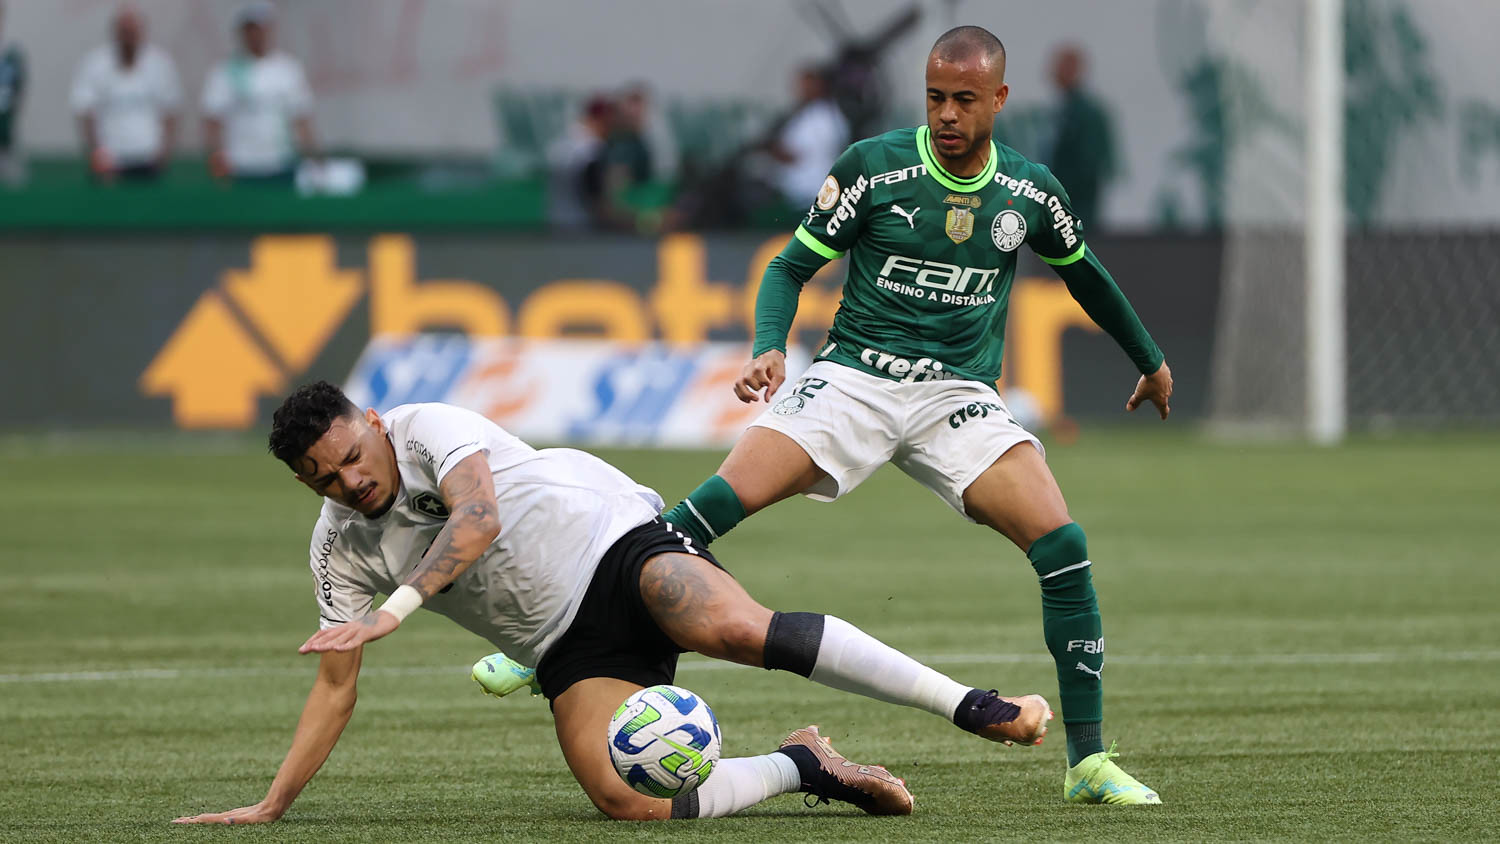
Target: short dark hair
[(305, 417), (964, 42)]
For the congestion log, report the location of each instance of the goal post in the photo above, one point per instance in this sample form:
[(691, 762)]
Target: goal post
[(1355, 151), (1324, 239)]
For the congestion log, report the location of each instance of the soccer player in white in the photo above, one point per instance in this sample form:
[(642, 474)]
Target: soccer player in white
[(560, 559)]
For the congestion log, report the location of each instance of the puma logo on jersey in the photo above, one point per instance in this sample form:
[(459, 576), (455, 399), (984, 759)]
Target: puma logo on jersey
[(1087, 670), (896, 209)]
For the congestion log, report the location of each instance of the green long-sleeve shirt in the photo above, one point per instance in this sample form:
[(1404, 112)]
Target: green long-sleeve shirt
[(931, 260)]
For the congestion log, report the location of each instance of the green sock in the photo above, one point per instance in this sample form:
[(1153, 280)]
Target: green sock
[(1075, 636), (711, 511)]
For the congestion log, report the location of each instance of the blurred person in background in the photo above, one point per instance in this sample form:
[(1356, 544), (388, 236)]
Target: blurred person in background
[(12, 90), (627, 149), (655, 131), (255, 102), (578, 163), (1081, 149), (810, 140), (637, 154), (126, 95)]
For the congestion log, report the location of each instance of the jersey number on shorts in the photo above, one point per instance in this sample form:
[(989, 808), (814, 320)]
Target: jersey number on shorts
[(792, 403), (807, 386)]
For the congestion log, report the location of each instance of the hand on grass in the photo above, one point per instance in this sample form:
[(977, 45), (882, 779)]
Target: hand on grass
[(259, 813)]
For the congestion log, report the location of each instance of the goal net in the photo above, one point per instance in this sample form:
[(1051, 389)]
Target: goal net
[(1412, 335)]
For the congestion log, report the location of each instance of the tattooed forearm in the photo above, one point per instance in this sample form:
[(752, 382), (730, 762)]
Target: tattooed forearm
[(442, 563), (472, 525)]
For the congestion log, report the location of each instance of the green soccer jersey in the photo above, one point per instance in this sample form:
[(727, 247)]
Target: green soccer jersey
[(932, 255)]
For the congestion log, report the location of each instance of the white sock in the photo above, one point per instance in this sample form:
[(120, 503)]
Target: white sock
[(737, 784), (854, 661)]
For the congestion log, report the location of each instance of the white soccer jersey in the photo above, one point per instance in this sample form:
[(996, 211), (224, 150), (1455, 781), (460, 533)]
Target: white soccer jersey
[(559, 510), (814, 136), (257, 99), (128, 104)]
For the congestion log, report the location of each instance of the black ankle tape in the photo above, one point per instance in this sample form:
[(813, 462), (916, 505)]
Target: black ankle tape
[(964, 717), (806, 762), (685, 806), (981, 708), (792, 642)]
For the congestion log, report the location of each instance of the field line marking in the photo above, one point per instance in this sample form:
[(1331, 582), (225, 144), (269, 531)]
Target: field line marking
[(700, 664)]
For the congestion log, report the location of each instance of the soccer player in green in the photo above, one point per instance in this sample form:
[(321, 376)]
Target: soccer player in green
[(931, 219)]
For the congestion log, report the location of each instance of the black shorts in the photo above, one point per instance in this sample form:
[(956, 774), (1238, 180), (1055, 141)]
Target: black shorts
[(613, 634)]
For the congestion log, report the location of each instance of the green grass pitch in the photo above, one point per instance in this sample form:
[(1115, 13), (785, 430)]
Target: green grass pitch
[(1303, 644)]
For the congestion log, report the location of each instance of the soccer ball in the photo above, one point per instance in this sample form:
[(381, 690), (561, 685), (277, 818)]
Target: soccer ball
[(664, 741)]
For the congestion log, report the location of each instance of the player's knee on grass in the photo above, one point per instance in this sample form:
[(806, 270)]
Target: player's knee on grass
[(611, 795), (625, 804), (581, 715)]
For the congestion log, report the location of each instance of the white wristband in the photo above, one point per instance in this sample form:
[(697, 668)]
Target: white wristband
[(402, 602)]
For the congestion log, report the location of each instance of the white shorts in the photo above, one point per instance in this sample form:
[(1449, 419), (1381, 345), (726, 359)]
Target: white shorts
[(941, 433)]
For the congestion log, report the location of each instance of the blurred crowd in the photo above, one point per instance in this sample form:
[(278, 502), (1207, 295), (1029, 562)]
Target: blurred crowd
[(126, 95), (617, 144), (611, 148), (615, 166)]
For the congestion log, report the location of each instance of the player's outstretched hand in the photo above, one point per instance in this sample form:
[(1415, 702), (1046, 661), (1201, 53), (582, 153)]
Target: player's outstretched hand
[(1155, 388), (351, 634), (259, 813), (766, 372)]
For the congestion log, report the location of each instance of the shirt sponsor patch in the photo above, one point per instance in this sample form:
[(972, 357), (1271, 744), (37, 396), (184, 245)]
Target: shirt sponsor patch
[(848, 205), (959, 224), (828, 194), (890, 177), (324, 551)]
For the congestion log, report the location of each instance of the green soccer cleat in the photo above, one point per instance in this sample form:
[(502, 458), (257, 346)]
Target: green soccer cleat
[(499, 675), (1096, 779)]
